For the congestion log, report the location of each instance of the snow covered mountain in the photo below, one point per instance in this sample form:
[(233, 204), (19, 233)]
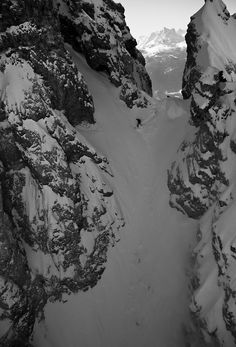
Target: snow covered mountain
[(163, 40), (91, 253), (202, 179), (165, 54)]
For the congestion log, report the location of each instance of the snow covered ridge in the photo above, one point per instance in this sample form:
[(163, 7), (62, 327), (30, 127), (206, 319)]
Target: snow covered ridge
[(98, 30), (202, 179), (58, 215)]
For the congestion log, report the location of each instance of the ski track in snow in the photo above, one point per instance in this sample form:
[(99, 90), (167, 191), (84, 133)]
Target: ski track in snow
[(141, 299)]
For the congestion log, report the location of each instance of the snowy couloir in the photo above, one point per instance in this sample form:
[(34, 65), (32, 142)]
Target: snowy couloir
[(73, 86)]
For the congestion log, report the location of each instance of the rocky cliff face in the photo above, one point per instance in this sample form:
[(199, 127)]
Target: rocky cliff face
[(58, 216), (99, 31), (202, 179)]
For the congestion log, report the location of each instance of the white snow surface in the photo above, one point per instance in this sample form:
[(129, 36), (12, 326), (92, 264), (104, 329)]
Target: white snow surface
[(142, 297)]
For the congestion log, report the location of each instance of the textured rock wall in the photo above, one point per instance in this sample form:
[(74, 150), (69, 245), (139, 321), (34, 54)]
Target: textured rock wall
[(202, 178), (98, 30), (58, 216)]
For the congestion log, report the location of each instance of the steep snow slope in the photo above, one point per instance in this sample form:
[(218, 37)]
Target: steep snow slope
[(142, 297)]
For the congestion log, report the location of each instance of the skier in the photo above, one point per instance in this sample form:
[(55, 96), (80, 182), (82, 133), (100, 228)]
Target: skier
[(139, 123)]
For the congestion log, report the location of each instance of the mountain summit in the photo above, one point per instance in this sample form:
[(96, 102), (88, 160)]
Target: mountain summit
[(163, 40), (165, 54)]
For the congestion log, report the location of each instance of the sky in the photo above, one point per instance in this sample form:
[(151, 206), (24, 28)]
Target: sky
[(146, 16)]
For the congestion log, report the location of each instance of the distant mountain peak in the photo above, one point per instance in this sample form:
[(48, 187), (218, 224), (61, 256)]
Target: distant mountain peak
[(162, 40)]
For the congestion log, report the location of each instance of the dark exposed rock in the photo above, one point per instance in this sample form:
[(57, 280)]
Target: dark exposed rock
[(191, 73)]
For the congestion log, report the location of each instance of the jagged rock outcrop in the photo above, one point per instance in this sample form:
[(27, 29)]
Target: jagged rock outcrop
[(58, 216), (99, 31), (202, 179)]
